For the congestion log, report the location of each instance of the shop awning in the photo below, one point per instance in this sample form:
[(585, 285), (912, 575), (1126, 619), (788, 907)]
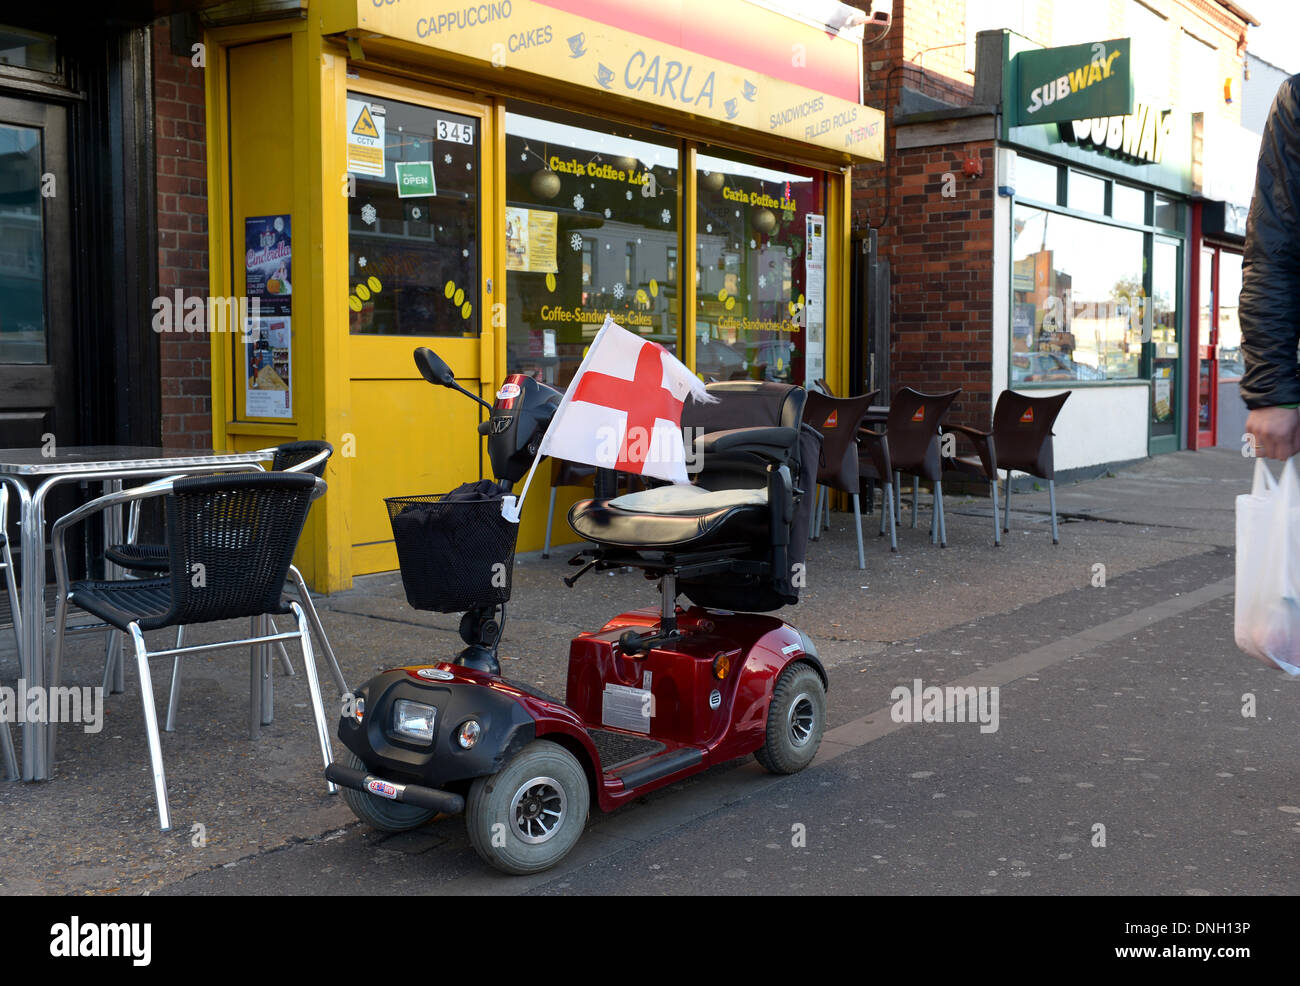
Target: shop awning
[(736, 63)]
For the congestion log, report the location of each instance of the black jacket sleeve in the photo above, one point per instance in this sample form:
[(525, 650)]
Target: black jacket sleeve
[(1270, 288)]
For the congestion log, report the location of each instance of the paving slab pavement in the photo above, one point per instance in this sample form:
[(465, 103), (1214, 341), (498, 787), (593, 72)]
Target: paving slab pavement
[(1160, 529)]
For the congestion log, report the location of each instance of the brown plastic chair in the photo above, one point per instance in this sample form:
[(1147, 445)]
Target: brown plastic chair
[(911, 442), (1021, 440), (838, 418)]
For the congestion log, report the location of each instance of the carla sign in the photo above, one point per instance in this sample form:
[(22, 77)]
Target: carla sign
[(1139, 136)]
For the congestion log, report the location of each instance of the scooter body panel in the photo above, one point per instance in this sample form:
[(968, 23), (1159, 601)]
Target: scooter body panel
[(671, 695)]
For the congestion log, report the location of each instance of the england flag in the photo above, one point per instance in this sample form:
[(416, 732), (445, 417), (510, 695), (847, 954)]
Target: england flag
[(623, 409)]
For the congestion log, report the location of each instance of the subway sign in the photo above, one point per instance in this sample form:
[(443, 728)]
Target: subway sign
[(1140, 136), (1056, 85)]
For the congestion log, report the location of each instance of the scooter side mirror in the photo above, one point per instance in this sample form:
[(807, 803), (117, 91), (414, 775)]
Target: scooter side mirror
[(433, 369)]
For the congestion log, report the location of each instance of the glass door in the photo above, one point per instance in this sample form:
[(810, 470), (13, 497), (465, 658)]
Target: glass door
[(421, 247), (37, 389), (1225, 355), (1165, 341), (1207, 341)]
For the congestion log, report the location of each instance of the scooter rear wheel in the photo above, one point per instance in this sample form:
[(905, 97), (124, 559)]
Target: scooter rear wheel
[(380, 813), (526, 817), (796, 720)]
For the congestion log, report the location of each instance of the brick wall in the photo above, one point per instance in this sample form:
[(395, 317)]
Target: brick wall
[(940, 248), (181, 159), (941, 255)]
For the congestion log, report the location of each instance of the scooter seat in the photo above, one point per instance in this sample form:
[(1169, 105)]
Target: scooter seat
[(674, 518)]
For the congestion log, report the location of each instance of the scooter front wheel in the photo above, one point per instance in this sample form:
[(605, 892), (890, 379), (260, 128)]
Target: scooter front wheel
[(526, 817), (380, 813), (796, 720)]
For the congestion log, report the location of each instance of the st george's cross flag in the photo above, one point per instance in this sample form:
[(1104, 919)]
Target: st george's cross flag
[(623, 409)]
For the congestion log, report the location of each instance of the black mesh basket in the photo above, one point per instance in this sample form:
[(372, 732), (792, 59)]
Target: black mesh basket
[(455, 555)]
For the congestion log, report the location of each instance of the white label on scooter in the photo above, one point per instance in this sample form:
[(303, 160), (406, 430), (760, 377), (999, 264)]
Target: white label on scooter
[(627, 708), (789, 649)]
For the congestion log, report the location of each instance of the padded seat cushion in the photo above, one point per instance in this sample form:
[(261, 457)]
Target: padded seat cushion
[(684, 499), (674, 520)]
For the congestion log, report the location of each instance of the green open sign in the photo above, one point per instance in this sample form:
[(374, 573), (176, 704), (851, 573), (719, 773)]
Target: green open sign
[(415, 178)]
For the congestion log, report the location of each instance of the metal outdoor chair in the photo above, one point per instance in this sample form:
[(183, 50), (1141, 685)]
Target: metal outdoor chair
[(1021, 440), (304, 457), (230, 540), (911, 439), (838, 418), (16, 618)]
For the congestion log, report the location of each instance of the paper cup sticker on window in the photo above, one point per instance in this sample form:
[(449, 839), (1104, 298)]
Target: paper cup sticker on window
[(365, 130)]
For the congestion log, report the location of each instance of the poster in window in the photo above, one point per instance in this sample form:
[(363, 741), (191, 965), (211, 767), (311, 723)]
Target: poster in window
[(815, 289), (530, 240), (268, 343)]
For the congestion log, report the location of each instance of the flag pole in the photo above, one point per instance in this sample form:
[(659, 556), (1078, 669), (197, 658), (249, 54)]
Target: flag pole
[(511, 506)]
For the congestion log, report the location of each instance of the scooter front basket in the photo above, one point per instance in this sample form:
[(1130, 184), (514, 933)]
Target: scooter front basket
[(455, 555)]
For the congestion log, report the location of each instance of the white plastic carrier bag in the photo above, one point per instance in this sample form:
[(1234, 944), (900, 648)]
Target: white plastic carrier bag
[(1266, 620)]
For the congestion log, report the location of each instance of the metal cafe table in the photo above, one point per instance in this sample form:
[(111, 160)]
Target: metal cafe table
[(32, 474)]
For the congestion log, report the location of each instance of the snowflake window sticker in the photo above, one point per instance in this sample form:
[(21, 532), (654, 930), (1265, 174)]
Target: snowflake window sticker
[(618, 291), (753, 244), (368, 214), (762, 280), (608, 213), (361, 261), (446, 159), (628, 193), (708, 228), (575, 241), (666, 216), (579, 202)]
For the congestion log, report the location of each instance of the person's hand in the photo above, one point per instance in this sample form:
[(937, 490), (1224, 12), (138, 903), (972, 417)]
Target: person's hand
[(1276, 431)]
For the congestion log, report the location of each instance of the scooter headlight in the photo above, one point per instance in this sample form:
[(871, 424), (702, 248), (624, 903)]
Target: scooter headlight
[(414, 720)]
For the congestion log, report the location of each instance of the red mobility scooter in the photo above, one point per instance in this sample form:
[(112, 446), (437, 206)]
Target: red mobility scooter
[(654, 695)]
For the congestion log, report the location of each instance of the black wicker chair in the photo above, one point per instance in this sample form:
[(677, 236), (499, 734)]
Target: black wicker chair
[(152, 559), (230, 540)]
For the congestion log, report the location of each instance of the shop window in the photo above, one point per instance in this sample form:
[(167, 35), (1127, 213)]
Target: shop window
[(1128, 204), (1036, 180), (761, 258), (1168, 213), (28, 50), (1086, 193), (1231, 364), (413, 259), (22, 247), (1164, 319), (591, 212), (1077, 299)]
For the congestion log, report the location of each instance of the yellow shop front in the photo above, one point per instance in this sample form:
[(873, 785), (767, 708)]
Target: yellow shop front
[(490, 180)]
